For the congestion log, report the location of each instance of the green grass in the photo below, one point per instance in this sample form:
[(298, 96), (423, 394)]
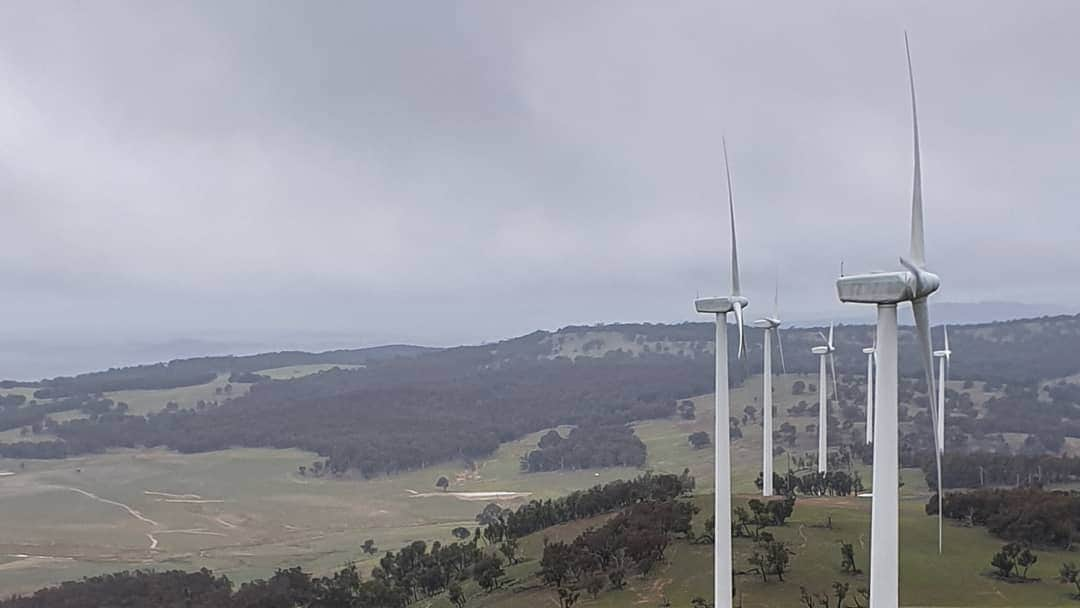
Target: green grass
[(150, 401), (957, 578)]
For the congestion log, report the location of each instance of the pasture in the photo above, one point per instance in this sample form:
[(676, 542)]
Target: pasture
[(245, 512)]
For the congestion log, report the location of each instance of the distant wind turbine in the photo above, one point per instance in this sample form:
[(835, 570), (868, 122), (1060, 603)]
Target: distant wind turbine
[(720, 307), (944, 360), (824, 352), (871, 355), (771, 325), (887, 290)]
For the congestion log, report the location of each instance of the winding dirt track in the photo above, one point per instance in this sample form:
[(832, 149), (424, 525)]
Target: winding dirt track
[(131, 511)]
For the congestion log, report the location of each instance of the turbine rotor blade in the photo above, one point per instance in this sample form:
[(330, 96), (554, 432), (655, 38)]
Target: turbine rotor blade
[(921, 311), (946, 329), (735, 284), (835, 386), (780, 344), (776, 300), (918, 241), (830, 335), (739, 321)]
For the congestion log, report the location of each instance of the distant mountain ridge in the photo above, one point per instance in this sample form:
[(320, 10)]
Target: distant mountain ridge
[(1021, 350)]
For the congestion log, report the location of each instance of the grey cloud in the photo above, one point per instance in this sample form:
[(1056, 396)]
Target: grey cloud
[(464, 171)]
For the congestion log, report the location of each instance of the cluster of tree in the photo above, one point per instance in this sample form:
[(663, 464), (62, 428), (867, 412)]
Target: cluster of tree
[(832, 483), (979, 469), (1026, 515), (413, 413), (34, 414), (399, 580), (686, 409), (586, 447), (770, 556), (632, 541), (1013, 561), (247, 377), (751, 521), (539, 514), (699, 440), (841, 593)]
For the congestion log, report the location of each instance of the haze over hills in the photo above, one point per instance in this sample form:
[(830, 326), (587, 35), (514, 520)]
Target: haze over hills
[(30, 355)]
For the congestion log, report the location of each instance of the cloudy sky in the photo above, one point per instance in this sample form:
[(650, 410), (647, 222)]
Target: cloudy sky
[(454, 172)]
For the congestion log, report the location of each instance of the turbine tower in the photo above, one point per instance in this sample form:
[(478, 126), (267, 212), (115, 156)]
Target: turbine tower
[(871, 356), (720, 307), (824, 352), (771, 325), (944, 359), (887, 290)]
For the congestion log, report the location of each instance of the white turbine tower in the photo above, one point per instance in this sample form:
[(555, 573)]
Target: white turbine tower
[(871, 355), (771, 325), (944, 359), (720, 307), (887, 290), (824, 352)]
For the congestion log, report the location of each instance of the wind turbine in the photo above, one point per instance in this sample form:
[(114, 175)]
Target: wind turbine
[(871, 355), (887, 290), (771, 325), (720, 307), (824, 352), (944, 359)]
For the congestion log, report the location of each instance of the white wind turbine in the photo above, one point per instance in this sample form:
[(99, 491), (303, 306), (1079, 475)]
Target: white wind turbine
[(887, 290), (824, 352), (720, 307), (944, 359), (871, 356), (771, 326)]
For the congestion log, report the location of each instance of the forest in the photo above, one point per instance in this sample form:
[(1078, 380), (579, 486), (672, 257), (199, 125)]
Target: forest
[(1028, 515), (367, 422), (585, 447)]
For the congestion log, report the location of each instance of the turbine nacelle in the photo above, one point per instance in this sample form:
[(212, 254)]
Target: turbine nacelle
[(887, 287), (869, 351), (767, 323), (821, 350), (720, 305)]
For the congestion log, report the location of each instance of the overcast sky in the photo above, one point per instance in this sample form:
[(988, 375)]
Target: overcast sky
[(453, 172)]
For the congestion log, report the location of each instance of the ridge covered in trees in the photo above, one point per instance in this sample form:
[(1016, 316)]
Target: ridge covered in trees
[(368, 420)]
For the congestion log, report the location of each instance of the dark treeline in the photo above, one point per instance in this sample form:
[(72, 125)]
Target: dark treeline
[(190, 372), (409, 414), (832, 483), (979, 469), (586, 447), (1037, 348), (539, 514), (34, 415), (1029, 515)]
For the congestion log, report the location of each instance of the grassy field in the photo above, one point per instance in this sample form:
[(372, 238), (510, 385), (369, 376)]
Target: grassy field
[(957, 578), (244, 512)]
